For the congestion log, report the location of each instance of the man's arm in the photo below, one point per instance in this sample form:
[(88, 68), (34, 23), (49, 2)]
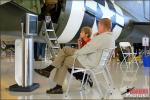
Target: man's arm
[(91, 47), (95, 34), (88, 48), (98, 42)]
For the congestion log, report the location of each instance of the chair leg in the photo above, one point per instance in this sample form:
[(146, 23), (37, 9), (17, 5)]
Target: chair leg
[(99, 90), (126, 64), (136, 63), (106, 78), (68, 87), (111, 83), (110, 78), (82, 81), (108, 83), (121, 64), (88, 75), (120, 67)]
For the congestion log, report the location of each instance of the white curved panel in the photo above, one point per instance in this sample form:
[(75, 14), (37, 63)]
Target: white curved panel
[(118, 10), (76, 18), (94, 28), (119, 18), (107, 13), (91, 4), (117, 31), (74, 22)]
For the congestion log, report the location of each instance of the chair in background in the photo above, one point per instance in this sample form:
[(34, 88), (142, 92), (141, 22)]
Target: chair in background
[(102, 68), (127, 53), (131, 65)]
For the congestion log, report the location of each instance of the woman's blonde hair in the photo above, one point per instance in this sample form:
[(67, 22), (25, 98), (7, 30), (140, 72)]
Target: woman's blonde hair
[(87, 30)]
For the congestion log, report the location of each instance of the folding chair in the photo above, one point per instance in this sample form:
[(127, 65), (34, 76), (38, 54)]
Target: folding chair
[(100, 69), (127, 52)]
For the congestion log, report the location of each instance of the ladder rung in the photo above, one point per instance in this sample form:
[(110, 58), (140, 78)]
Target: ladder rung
[(52, 38), (55, 47), (49, 30)]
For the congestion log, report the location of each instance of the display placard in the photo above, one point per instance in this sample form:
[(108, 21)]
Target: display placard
[(145, 41)]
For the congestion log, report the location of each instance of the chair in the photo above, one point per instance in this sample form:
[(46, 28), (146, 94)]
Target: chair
[(127, 52), (100, 69)]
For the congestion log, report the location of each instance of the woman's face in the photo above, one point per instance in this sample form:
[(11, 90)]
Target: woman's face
[(82, 34)]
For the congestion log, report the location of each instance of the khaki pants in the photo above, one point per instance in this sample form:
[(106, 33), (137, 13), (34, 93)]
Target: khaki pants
[(62, 62)]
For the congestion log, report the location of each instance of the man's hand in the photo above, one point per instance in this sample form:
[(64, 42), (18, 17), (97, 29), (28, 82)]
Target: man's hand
[(95, 34)]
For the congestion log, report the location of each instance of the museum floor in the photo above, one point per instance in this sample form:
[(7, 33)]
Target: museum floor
[(139, 80)]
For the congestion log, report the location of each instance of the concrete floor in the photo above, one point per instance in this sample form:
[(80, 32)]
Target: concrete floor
[(140, 81)]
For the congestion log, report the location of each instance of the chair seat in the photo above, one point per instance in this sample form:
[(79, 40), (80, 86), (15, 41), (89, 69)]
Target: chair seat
[(79, 70), (129, 53), (105, 57)]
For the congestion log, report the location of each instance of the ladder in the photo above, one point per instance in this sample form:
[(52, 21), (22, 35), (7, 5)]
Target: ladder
[(48, 33)]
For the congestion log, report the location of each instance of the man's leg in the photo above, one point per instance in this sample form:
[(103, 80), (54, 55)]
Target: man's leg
[(62, 54), (58, 61), (60, 74), (62, 71)]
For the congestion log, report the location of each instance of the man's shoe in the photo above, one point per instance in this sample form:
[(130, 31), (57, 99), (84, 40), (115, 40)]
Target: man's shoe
[(42, 72), (55, 90), (46, 71)]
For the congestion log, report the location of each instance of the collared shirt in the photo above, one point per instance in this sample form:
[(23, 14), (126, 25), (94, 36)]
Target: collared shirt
[(83, 43)]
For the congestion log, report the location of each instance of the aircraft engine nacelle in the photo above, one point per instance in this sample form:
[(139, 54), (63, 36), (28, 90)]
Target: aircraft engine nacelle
[(79, 13)]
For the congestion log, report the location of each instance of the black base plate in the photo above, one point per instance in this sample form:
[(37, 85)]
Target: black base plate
[(17, 88)]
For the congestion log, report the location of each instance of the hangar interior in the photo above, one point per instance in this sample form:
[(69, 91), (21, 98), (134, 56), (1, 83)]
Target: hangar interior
[(130, 22)]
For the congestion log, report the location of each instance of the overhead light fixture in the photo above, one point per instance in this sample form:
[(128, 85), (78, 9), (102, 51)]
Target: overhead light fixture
[(113, 1), (139, 1)]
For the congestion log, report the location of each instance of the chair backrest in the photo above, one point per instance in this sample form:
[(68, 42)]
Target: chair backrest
[(106, 56), (125, 47), (124, 44)]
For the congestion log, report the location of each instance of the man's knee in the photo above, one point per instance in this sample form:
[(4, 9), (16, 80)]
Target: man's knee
[(68, 61), (64, 49)]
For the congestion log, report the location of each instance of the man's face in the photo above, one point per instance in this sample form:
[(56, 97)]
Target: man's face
[(100, 28)]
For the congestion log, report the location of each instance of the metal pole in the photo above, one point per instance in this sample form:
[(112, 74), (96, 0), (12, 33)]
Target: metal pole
[(145, 51), (23, 50), (28, 59)]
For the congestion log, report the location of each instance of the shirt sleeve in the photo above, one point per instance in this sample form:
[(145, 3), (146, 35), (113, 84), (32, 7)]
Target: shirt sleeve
[(90, 47), (98, 42)]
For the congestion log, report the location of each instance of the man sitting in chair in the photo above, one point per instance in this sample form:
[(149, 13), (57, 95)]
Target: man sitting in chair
[(87, 56), (84, 38)]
